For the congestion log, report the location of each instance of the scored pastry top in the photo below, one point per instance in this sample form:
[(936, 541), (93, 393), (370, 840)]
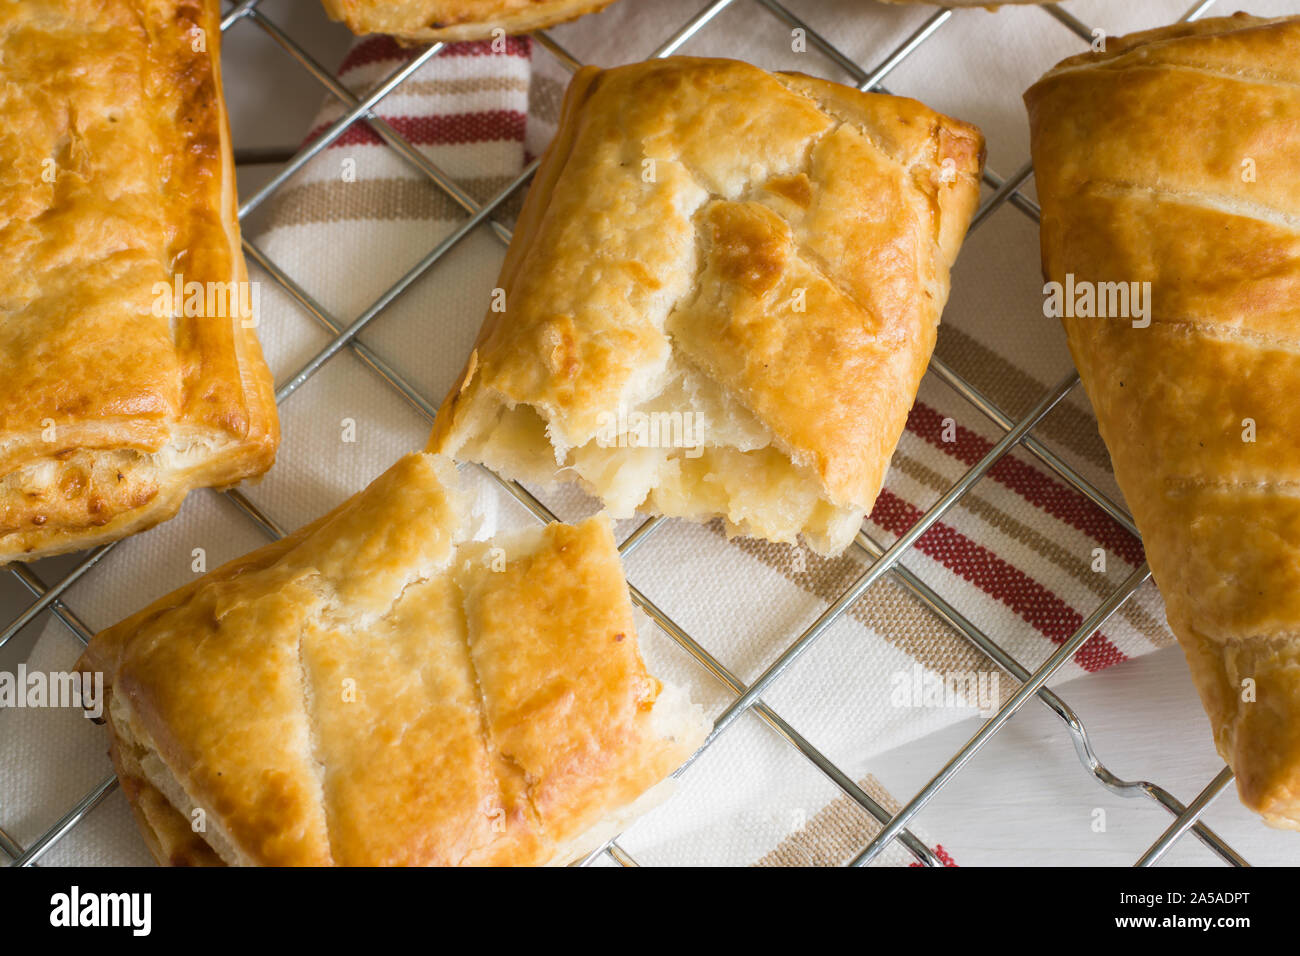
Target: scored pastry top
[(118, 180), (376, 690), (1176, 167), (1166, 168), (770, 248)]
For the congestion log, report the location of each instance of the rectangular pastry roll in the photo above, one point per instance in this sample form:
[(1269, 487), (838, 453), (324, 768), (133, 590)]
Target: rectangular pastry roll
[(1167, 167), (447, 20), (117, 396), (376, 690), (720, 298)]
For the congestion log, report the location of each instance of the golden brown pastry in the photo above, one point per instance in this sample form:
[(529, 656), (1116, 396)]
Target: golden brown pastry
[(1171, 160), (376, 690), (447, 20), (118, 188), (721, 296)]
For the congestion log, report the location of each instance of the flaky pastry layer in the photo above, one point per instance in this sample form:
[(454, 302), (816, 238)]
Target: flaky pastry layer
[(116, 398), (376, 690), (1169, 161), (721, 295), (450, 20)]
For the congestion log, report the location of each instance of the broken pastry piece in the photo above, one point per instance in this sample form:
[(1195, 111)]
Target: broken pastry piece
[(1168, 164), (376, 690), (721, 296), (130, 372), (426, 21)]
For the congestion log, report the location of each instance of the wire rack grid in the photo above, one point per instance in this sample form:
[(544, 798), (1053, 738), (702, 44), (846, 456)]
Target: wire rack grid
[(882, 560)]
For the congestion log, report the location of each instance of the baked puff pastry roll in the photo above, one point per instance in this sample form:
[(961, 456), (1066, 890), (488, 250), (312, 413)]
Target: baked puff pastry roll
[(447, 20), (129, 369), (377, 690), (1169, 186), (720, 298)]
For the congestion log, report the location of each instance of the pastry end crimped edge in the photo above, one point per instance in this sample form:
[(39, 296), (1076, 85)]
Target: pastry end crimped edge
[(157, 783), (777, 490)]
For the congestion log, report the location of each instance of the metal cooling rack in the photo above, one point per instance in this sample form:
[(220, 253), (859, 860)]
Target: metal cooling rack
[(883, 560)]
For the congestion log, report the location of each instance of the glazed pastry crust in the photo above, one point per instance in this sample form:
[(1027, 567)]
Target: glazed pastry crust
[(1170, 159), (374, 690), (118, 177), (448, 20), (769, 252)]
